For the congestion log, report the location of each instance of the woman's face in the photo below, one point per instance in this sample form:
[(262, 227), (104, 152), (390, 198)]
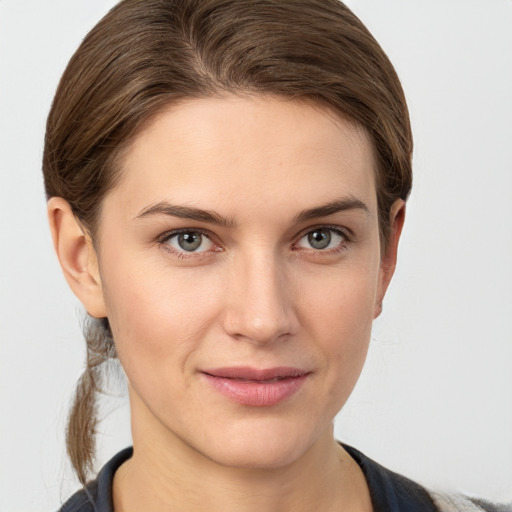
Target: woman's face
[(241, 270)]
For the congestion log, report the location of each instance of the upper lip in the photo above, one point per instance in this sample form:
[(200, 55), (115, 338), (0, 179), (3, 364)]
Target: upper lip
[(256, 374)]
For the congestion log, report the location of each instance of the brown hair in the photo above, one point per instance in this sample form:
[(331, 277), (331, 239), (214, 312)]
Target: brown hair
[(145, 54)]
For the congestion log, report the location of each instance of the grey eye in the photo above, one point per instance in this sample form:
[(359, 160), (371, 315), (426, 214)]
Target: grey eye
[(320, 238), (190, 241)]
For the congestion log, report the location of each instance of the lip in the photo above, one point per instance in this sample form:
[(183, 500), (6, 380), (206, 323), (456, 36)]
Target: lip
[(256, 387)]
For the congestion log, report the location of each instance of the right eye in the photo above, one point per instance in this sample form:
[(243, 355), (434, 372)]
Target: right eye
[(188, 241)]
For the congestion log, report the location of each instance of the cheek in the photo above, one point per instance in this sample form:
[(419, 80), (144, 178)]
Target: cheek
[(341, 302), (158, 318), (338, 313)]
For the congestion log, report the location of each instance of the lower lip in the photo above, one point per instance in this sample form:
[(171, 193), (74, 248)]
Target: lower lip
[(256, 393)]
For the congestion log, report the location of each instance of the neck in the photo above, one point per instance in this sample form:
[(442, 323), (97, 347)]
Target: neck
[(166, 474)]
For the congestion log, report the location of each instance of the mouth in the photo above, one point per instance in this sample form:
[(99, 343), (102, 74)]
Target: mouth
[(256, 387)]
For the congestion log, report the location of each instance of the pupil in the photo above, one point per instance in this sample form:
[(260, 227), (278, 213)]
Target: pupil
[(189, 241), (320, 239)]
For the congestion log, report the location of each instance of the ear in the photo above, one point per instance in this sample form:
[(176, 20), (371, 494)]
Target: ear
[(77, 256), (388, 259)]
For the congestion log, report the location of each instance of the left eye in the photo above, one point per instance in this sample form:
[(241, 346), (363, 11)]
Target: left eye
[(189, 241), (321, 239)]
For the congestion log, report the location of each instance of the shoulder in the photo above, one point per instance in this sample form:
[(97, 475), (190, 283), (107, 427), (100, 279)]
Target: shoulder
[(97, 495), (458, 503), (392, 492), (81, 501)]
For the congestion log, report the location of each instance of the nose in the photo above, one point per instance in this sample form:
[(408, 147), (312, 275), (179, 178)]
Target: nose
[(259, 308)]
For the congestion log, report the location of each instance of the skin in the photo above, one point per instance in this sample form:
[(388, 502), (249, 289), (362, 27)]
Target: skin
[(255, 293)]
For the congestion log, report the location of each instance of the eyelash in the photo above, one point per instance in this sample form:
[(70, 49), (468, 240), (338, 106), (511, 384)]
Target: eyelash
[(164, 239), (342, 246)]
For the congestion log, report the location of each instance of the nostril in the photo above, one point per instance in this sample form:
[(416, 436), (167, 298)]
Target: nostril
[(259, 330)]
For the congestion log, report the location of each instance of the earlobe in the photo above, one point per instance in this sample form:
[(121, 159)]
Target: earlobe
[(77, 256), (388, 260)]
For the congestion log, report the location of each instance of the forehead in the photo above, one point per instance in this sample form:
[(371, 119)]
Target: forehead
[(231, 151)]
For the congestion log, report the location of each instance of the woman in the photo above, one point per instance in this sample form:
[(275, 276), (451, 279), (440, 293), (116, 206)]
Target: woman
[(227, 186)]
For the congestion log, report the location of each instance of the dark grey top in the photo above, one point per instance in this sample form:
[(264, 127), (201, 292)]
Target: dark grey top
[(390, 492)]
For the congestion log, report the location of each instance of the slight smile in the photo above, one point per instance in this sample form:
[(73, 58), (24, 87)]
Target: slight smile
[(256, 387)]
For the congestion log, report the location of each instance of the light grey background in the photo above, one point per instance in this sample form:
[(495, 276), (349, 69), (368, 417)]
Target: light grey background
[(435, 400)]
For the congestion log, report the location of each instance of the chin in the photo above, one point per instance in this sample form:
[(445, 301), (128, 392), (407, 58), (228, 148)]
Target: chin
[(256, 456), (262, 445)]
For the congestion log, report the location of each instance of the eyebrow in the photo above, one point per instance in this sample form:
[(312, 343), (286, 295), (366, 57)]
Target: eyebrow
[(185, 212), (348, 203), (200, 215)]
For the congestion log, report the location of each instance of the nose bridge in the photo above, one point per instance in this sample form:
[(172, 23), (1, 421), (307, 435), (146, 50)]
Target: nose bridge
[(259, 307)]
